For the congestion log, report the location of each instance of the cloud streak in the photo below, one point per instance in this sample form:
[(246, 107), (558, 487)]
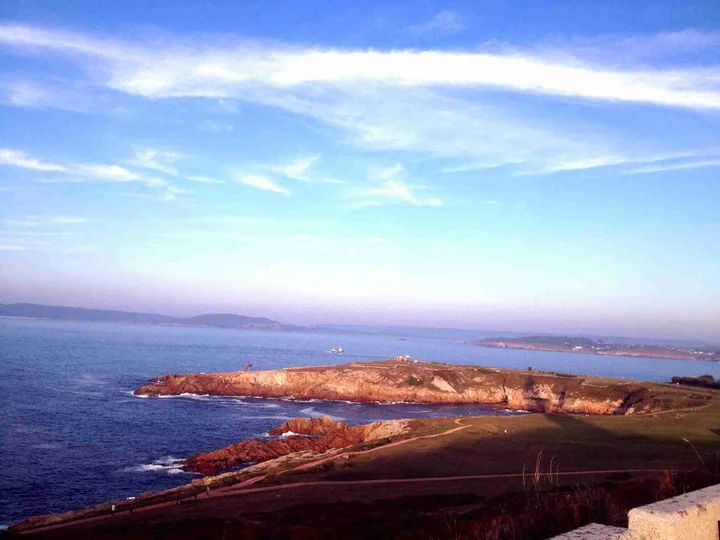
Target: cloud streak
[(297, 169), (436, 102), (261, 182), (83, 172), (16, 158), (175, 71), (675, 166), (44, 221), (445, 22), (387, 185)]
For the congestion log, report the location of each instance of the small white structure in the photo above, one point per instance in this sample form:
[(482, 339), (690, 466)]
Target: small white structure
[(693, 516)]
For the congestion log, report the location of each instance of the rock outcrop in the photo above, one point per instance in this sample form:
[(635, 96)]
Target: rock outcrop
[(398, 381), (306, 434)]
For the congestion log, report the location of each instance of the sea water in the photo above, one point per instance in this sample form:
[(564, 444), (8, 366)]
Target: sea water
[(72, 434)]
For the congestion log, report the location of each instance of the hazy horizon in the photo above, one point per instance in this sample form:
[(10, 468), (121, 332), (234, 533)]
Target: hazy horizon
[(473, 332), (535, 166)]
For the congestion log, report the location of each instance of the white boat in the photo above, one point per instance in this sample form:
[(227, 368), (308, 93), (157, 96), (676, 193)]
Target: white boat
[(337, 350)]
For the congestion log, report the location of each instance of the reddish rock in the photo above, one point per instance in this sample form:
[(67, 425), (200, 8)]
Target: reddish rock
[(326, 435)]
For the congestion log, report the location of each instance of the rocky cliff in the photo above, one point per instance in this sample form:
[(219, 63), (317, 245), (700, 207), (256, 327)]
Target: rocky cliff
[(325, 434), (417, 382)]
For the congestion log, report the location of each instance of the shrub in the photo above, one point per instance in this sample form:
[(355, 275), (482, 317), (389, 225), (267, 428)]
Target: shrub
[(703, 381)]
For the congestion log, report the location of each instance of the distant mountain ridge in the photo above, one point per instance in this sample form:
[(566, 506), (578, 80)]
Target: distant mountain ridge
[(215, 320)]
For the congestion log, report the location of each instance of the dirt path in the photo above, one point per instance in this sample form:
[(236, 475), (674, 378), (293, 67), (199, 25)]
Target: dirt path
[(436, 479)]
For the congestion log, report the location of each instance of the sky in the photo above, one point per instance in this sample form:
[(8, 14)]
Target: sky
[(502, 165)]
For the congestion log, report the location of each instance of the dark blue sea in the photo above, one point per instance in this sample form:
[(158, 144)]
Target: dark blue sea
[(71, 433)]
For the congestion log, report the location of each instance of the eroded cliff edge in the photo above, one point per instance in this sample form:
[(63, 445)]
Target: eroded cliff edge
[(324, 434), (420, 382)]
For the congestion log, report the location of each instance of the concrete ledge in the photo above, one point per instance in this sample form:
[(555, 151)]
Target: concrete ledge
[(595, 531), (692, 516)]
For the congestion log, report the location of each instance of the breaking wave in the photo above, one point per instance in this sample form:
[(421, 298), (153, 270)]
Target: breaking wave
[(168, 465)]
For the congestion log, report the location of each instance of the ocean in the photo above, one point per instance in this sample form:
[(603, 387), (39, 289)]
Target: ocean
[(72, 434)]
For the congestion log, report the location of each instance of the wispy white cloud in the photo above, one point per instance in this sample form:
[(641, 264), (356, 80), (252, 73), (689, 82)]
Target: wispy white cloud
[(376, 240), (216, 127), (387, 185), (674, 166), (21, 91), (203, 179), (297, 169), (115, 173), (445, 22), (261, 182), (641, 49), (166, 193), (624, 159), (16, 158), (156, 160), (13, 247), (83, 172), (82, 248), (406, 99), (164, 71), (43, 221)]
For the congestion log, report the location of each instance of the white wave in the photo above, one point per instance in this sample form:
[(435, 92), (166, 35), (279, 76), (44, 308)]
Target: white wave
[(47, 446), (190, 395), (168, 464), (220, 400), (310, 411), (269, 417), (88, 379), (289, 434)]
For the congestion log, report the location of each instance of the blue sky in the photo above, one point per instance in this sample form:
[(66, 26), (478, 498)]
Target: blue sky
[(528, 166)]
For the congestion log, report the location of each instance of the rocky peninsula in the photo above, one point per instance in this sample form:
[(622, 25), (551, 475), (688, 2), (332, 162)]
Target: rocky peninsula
[(402, 380), (297, 435)]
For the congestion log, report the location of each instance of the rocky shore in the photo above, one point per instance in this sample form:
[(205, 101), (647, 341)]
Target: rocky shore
[(418, 382), (298, 435)]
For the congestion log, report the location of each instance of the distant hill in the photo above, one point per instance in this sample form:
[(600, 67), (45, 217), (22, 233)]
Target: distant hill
[(221, 320), (37, 311), (228, 320)]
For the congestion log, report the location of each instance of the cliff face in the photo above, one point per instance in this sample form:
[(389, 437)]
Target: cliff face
[(393, 381), (328, 434)]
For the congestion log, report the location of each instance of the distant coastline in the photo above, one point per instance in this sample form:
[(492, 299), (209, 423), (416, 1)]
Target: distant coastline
[(591, 346), (211, 320)]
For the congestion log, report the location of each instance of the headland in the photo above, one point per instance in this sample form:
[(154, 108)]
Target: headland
[(583, 345), (409, 381)]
